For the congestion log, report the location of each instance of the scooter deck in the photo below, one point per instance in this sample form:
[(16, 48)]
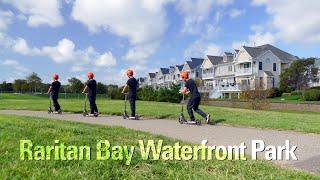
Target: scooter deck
[(124, 116), (197, 123)]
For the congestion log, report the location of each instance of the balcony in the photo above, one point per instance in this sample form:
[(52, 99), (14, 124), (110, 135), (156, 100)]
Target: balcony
[(207, 74), (229, 88), (243, 71)]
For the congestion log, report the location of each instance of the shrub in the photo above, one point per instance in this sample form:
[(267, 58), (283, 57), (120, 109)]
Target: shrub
[(296, 93), (312, 95), (286, 94), (147, 93), (256, 99), (274, 92)]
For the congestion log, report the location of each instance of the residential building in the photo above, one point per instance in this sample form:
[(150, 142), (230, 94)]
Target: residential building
[(194, 68), (316, 81), (247, 68)]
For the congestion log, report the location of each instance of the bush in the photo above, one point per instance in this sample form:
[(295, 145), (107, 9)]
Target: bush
[(147, 93), (312, 95), (274, 92), (256, 99), (286, 94), (296, 93)]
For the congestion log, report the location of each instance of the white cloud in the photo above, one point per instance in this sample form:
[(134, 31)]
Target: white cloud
[(5, 19), (10, 62), (20, 46), (237, 44), (294, 20), (236, 12), (141, 52), (140, 21), (261, 38), (200, 49), (15, 68), (213, 49), (195, 12), (39, 12), (65, 52), (224, 2), (106, 60)]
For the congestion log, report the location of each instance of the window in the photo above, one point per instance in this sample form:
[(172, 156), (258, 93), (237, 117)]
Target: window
[(274, 66), (260, 65), (247, 65), (230, 68), (197, 74)]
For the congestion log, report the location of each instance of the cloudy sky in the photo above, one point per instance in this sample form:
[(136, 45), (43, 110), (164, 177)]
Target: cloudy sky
[(72, 37)]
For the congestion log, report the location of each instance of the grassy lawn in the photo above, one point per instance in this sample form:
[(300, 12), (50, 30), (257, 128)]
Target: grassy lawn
[(15, 128), (284, 120), (292, 99)]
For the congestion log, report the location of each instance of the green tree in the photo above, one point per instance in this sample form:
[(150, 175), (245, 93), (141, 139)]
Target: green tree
[(76, 86), (298, 75), (20, 85), (34, 81), (101, 88)]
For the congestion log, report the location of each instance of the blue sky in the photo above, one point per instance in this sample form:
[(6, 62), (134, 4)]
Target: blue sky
[(72, 37)]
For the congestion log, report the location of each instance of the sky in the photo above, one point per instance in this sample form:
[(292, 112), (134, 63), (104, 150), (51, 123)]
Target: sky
[(106, 37)]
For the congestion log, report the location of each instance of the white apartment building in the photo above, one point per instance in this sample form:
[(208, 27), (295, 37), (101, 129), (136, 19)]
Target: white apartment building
[(248, 68)]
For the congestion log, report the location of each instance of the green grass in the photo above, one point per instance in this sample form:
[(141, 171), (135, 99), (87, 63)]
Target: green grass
[(283, 120), (292, 99), (44, 132)]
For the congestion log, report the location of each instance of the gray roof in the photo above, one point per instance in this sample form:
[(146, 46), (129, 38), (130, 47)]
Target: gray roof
[(195, 62), (180, 67), (268, 73), (215, 59), (228, 53), (152, 75), (164, 70), (258, 50)]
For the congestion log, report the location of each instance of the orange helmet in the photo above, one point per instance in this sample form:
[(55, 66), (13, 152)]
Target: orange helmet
[(184, 75), (55, 77), (129, 72), (90, 75)]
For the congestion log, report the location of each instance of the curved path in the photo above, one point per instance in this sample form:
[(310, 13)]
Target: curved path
[(308, 145)]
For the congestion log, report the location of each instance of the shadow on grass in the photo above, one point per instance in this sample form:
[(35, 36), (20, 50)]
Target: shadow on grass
[(164, 116), (217, 121)]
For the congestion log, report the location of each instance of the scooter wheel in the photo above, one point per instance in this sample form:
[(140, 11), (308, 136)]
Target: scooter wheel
[(49, 112), (181, 120), (84, 114), (198, 122)]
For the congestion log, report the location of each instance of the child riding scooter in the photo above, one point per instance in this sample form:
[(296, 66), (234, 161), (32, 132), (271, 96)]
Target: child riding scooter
[(91, 87), (54, 95), (131, 86), (194, 101)]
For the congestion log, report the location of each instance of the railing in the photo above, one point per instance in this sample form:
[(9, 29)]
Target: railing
[(243, 71), (207, 75), (229, 88)]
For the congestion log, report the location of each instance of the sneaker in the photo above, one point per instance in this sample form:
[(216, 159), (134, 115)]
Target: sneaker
[(132, 118), (208, 119)]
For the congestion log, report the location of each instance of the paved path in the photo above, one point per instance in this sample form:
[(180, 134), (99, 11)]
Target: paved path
[(308, 151)]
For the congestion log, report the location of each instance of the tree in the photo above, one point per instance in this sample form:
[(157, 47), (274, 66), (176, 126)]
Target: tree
[(34, 81), (6, 86), (298, 75), (20, 85), (101, 88), (76, 85)]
